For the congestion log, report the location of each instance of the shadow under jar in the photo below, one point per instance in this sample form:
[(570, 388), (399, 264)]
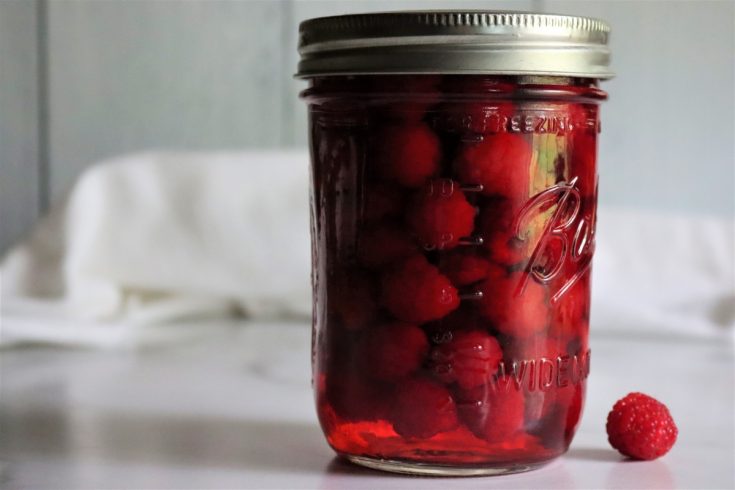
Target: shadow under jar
[(454, 190)]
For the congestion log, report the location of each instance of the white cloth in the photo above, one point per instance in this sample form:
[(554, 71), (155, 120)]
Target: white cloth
[(148, 239), (662, 274), (152, 246)]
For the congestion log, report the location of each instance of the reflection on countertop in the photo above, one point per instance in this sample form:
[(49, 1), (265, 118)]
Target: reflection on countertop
[(236, 411)]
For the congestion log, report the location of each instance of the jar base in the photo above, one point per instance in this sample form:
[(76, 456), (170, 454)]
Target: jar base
[(425, 469)]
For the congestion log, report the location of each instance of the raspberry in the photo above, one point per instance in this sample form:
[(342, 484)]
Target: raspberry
[(579, 160), (381, 201), (570, 315), (470, 358), (407, 154), (354, 397), (552, 414), (417, 94), (500, 163), (574, 412), (416, 292), (518, 315), (382, 244), (479, 114), (493, 414), (583, 155), (465, 317), (557, 424), (354, 300), (394, 350), (440, 215), (641, 427), (496, 225), (463, 268), (538, 346), (422, 409)]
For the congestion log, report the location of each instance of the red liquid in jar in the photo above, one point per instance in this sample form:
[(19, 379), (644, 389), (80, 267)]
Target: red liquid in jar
[(453, 227)]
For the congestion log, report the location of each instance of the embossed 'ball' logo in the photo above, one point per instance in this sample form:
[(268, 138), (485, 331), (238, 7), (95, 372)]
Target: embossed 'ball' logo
[(568, 237)]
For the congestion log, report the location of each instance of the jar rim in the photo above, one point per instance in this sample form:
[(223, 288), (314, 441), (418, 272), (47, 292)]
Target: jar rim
[(454, 42)]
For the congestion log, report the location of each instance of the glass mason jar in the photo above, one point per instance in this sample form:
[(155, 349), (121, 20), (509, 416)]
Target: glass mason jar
[(454, 189)]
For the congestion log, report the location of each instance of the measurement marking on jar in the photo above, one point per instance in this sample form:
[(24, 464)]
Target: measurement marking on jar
[(471, 187), (471, 295), (471, 241)]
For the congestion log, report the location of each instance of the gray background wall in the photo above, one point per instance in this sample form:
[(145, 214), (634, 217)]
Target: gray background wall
[(82, 80)]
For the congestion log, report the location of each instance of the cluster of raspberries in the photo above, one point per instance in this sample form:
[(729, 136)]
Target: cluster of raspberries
[(431, 305), (438, 293)]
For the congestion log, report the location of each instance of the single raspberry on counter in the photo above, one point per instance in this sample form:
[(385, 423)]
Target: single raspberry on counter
[(464, 268), (422, 408), (394, 350), (407, 154), (470, 358), (414, 291), (491, 413), (381, 201), (510, 311), (500, 163), (384, 243), (641, 427), (440, 215)]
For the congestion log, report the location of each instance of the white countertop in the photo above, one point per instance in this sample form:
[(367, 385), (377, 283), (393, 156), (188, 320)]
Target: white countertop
[(235, 411)]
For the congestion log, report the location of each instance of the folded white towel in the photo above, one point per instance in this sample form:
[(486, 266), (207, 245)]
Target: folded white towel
[(154, 239), (662, 274), (150, 238)]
